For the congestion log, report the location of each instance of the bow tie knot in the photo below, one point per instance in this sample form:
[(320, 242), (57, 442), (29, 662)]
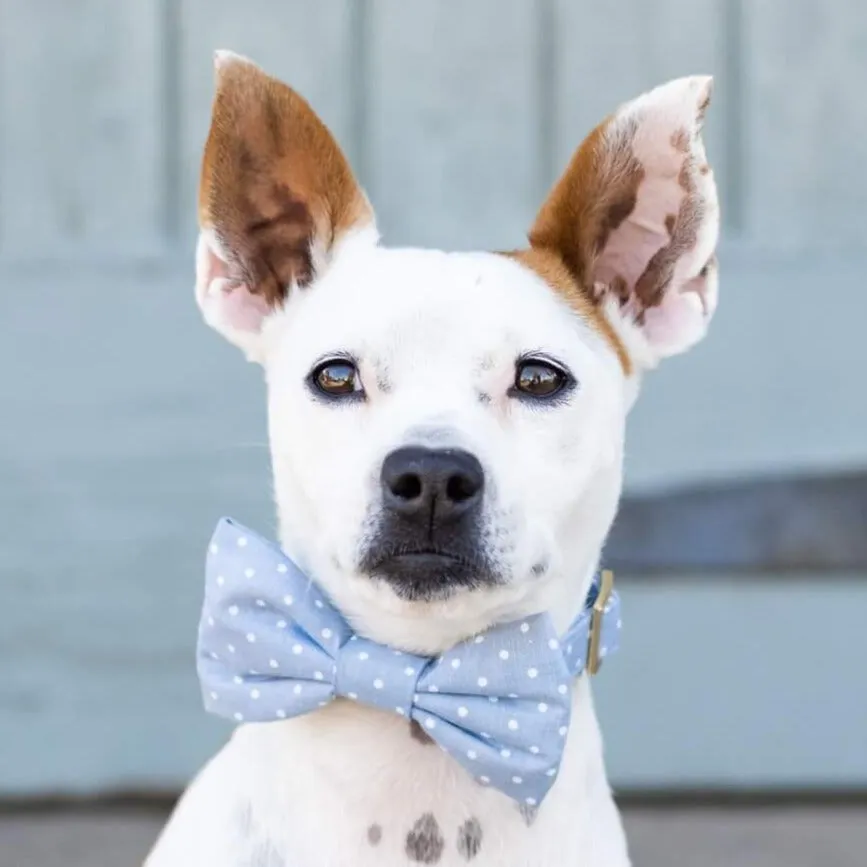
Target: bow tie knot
[(377, 675), (272, 646)]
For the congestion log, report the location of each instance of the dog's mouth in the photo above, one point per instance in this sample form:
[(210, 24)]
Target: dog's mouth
[(429, 572)]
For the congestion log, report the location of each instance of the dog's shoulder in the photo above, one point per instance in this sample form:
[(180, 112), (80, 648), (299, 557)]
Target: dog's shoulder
[(212, 822)]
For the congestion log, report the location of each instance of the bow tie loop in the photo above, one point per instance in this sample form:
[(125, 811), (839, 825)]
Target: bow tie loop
[(247, 574)]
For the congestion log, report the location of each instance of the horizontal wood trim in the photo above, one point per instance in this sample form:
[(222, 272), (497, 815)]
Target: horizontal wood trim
[(772, 525)]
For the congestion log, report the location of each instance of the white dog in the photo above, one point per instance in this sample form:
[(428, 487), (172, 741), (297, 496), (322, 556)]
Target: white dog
[(447, 440)]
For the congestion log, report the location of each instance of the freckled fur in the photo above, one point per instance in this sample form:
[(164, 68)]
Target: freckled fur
[(280, 210), (470, 839), (528, 813), (424, 842)]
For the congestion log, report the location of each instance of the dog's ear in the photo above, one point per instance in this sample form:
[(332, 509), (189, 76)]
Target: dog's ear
[(276, 198), (635, 218)]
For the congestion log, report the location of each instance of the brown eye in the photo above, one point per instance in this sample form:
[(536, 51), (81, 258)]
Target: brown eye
[(337, 378), (537, 378)]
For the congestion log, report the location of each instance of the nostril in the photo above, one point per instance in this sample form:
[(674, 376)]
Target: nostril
[(430, 486), (407, 486), (460, 488)]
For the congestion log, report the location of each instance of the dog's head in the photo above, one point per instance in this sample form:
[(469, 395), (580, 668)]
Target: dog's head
[(446, 428)]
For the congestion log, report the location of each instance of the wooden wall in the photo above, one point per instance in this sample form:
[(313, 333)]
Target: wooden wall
[(457, 115), (126, 428)]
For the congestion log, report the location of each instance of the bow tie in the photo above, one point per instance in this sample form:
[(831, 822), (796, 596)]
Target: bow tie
[(272, 646)]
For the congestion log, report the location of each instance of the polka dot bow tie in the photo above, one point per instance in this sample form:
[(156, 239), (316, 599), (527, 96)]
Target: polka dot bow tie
[(272, 646)]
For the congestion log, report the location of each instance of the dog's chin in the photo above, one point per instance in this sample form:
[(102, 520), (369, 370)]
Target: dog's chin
[(428, 576)]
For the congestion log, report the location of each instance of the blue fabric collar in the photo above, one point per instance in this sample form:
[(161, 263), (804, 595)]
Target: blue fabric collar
[(272, 646)]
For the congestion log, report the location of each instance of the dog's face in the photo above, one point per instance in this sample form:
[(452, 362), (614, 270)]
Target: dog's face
[(446, 429), (435, 421)]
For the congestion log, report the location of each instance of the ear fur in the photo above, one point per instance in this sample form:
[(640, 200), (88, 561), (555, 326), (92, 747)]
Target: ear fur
[(276, 196), (635, 218)]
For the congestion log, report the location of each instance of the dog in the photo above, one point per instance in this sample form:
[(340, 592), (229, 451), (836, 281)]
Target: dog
[(446, 432)]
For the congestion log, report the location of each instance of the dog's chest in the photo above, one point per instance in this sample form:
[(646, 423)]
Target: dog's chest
[(375, 791)]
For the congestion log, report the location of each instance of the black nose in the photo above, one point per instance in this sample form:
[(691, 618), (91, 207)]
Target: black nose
[(434, 486)]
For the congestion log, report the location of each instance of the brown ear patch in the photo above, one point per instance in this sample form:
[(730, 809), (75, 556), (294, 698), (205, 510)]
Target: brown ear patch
[(587, 205), (268, 231), (275, 186)]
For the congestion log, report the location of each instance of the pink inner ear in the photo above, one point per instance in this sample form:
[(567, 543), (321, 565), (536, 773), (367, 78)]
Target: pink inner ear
[(661, 222), (226, 301), (670, 231), (241, 309), (631, 246)]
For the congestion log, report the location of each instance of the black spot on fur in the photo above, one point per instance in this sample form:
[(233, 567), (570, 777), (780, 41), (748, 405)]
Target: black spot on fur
[(528, 813), (383, 382), (425, 843), (470, 839), (374, 835)]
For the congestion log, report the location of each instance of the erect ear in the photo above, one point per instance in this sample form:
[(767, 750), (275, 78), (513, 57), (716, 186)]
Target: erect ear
[(635, 218), (276, 197)]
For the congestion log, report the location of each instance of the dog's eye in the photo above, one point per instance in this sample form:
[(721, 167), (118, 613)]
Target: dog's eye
[(336, 378), (537, 378)]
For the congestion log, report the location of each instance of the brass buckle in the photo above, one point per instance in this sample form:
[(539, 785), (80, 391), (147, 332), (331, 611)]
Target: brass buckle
[(606, 585)]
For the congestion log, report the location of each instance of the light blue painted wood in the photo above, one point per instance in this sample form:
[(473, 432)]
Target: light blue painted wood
[(777, 384), (604, 58), (81, 153), (806, 123), (128, 428), (453, 115), (747, 683)]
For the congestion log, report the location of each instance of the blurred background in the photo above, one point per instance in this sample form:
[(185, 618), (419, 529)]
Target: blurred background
[(736, 716)]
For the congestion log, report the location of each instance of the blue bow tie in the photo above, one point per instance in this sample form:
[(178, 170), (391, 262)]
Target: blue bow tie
[(272, 646)]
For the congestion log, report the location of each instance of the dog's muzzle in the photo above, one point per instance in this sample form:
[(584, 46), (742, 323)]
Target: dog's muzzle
[(429, 536)]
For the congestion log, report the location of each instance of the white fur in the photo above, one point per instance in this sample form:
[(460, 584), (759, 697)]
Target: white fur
[(431, 331)]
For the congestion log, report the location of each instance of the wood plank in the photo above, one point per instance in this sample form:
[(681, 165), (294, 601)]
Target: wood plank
[(81, 156), (117, 456), (453, 122), (307, 45), (806, 119), (711, 665), (776, 385), (606, 59), (746, 685), (798, 523)]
